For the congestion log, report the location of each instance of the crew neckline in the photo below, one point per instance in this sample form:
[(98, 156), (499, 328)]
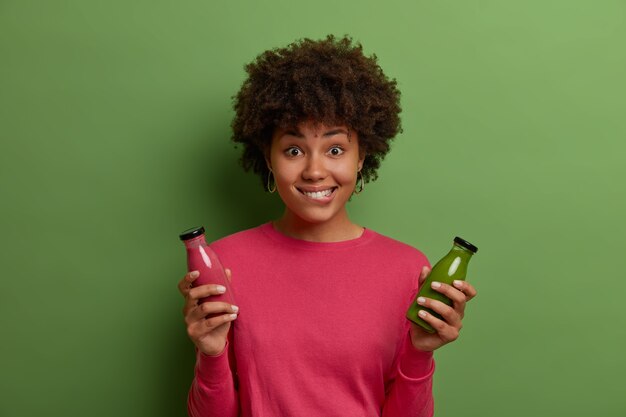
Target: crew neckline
[(269, 230)]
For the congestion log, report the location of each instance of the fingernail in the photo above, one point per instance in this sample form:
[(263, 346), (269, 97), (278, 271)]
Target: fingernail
[(422, 313), (221, 289), (458, 283), (435, 284), (234, 308), (233, 316), (194, 274), (421, 300)]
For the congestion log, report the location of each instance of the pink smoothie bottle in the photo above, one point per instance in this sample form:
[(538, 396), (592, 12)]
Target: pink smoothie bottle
[(201, 258)]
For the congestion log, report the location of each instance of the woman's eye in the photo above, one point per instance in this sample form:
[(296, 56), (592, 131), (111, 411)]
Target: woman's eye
[(336, 151), (293, 151)]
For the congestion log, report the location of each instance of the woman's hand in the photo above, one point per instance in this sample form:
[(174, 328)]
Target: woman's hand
[(447, 330), (207, 323)]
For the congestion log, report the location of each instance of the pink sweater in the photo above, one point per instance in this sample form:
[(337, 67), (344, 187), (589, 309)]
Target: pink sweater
[(321, 331)]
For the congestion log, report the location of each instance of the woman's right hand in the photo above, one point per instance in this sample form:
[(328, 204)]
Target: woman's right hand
[(207, 333)]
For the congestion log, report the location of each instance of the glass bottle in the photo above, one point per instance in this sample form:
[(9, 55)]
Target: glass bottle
[(451, 267), (201, 258)]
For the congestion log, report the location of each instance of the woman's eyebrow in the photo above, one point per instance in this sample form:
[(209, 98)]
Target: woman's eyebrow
[(293, 132), (335, 131), (300, 135)]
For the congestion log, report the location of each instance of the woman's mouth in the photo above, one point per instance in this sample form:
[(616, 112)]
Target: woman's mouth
[(318, 195)]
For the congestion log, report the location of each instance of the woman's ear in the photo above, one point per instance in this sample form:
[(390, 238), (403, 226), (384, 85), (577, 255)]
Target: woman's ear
[(361, 161), (267, 153), (268, 162)]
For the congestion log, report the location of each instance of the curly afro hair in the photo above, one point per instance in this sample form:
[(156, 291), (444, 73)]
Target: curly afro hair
[(328, 81)]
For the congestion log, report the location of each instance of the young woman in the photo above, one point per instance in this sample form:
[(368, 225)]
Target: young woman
[(319, 328)]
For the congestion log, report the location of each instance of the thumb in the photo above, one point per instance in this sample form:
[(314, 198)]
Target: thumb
[(228, 274), (425, 272)]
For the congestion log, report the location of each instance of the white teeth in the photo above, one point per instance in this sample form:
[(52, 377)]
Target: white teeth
[(318, 194)]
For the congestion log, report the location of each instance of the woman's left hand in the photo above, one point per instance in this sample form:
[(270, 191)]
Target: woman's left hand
[(446, 330)]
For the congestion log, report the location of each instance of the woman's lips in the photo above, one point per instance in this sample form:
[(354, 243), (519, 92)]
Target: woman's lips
[(319, 195)]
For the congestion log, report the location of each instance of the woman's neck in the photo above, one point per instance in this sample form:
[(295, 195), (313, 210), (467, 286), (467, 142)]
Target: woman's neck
[(335, 230)]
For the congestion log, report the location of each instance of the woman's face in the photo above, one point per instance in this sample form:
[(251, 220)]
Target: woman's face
[(315, 168)]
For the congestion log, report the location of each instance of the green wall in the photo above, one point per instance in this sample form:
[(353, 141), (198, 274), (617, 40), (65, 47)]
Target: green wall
[(114, 124)]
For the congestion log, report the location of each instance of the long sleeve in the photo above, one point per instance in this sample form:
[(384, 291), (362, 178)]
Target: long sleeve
[(213, 390), (410, 394)]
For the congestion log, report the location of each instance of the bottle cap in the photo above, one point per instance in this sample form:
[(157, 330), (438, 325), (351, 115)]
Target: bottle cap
[(192, 233), (465, 244)]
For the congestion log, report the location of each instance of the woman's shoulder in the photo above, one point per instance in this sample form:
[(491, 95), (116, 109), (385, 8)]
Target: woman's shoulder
[(245, 237), (385, 245)]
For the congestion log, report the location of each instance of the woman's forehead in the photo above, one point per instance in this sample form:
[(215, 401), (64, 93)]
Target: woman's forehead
[(312, 127)]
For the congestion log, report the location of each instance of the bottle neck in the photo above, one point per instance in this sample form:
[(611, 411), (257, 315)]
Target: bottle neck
[(195, 242), (461, 251)]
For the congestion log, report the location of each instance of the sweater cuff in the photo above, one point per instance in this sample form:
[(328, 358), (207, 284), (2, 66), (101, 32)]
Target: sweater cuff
[(213, 369), (415, 364)]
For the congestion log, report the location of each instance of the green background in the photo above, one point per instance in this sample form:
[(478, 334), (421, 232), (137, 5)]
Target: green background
[(114, 124)]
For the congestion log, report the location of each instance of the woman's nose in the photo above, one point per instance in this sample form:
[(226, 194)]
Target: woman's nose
[(314, 169)]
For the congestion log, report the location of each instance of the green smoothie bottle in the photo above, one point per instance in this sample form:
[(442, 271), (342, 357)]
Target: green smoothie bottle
[(451, 267)]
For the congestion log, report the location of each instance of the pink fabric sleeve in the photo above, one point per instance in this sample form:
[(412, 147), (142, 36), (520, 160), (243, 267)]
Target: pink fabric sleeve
[(213, 390), (410, 394)]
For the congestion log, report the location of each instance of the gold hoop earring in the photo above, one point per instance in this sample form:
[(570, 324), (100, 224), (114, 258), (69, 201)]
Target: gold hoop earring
[(359, 189), (270, 188)]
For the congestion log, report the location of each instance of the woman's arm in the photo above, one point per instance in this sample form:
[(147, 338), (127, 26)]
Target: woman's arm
[(410, 393), (213, 391)]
